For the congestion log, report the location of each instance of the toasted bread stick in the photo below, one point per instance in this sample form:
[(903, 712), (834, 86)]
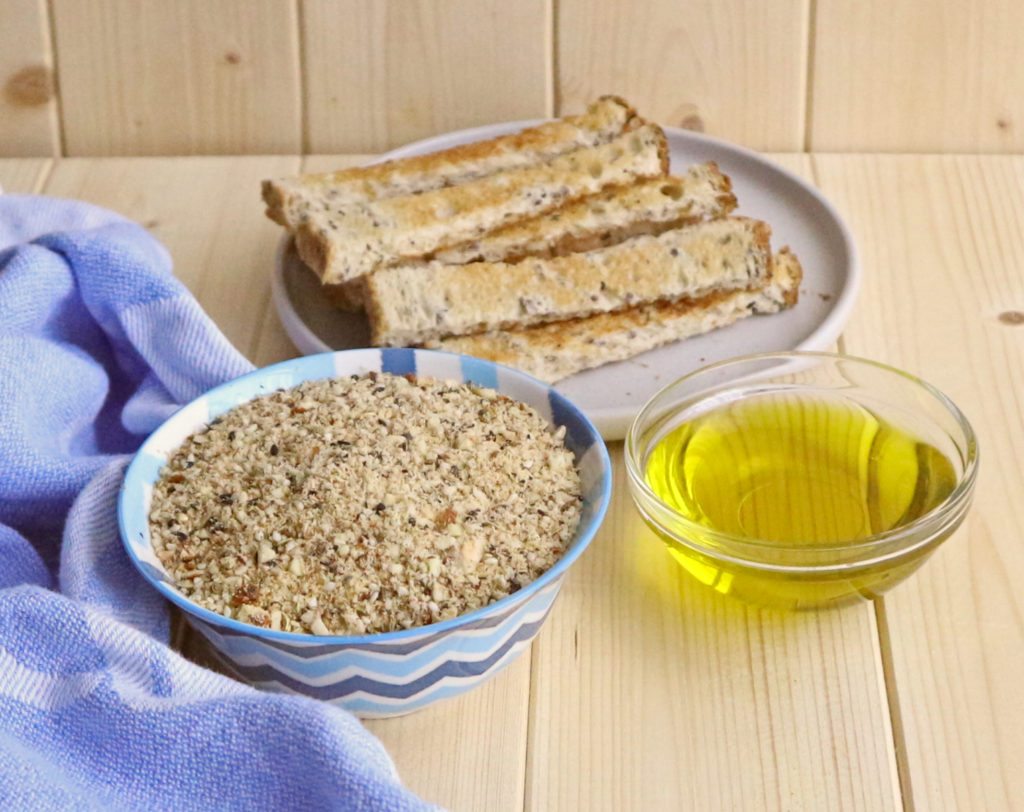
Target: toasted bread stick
[(350, 241), (289, 199), (557, 350), (596, 221), (608, 217), (411, 305)]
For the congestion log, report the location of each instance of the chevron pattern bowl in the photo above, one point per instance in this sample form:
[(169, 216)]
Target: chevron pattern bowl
[(386, 674)]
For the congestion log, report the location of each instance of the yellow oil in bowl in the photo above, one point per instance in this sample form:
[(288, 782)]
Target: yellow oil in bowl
[(793, 472)]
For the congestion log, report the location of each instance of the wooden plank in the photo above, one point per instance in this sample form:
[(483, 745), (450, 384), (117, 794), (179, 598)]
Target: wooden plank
[(467, 753), (28, 103), (207, 211), (23, 176), (146, 77), (943, 290), (917, 77), (652, 692), (378, 75), (735, 69)]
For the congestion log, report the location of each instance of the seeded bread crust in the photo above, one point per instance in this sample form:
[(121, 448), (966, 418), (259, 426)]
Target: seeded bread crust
[(289, 199), (411, 305), (555, 351), (596, 221), (353, 240)]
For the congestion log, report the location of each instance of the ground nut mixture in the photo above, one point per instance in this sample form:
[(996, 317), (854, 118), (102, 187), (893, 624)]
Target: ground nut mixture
[(365, 504)]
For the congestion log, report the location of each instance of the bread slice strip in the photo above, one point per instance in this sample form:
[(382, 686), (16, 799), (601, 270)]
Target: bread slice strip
[(557, 350), (411, 305), (606, 218), (352, 240), (596, 221), (289, 199)]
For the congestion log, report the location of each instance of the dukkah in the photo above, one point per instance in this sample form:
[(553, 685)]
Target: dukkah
[(366, 504)]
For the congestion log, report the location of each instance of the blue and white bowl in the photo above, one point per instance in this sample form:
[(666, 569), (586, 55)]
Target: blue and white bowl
[(387, 674)]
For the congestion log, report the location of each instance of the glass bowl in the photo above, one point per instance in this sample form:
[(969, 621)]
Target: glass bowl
[(801, 480)]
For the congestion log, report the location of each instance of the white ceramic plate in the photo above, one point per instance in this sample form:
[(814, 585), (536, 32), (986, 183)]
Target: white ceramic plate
[(611, 395)]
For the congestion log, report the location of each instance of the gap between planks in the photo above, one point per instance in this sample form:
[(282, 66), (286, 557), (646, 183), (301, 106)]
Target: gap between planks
[(881, 618), (895, 715)]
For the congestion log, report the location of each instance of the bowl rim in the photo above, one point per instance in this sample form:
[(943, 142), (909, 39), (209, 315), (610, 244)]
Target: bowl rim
[(580, 542), (948, 510)]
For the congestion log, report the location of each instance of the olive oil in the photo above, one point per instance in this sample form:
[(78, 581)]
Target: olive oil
[(798, 475)]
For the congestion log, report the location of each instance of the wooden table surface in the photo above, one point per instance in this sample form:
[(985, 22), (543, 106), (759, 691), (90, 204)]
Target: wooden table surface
[(643, 691)]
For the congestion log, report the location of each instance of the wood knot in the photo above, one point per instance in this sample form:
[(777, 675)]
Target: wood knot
[(1003, 123), (693, 122), (30, 87), (1011, 317), (232, 57), (689, 117)]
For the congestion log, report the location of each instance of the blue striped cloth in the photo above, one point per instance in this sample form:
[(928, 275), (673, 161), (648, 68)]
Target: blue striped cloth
[(98, 344)]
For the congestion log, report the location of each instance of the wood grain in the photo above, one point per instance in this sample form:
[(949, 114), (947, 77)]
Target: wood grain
[(917, 77), (23, 176), (207, 212), (735, 69), (378, 75), (943, 253), (28, 93), (146, 77)]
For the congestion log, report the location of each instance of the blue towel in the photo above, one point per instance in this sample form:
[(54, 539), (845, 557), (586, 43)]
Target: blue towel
[(98, 344)]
